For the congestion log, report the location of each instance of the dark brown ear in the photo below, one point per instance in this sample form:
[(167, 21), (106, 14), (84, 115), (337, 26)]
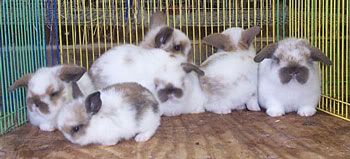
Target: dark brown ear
[(163, 36), (23, 81), (219, 41), (248, 36), (76, 90), (188, 67), (158, 19), (266, 52), (93, 103), (71, 73), (317, 55)]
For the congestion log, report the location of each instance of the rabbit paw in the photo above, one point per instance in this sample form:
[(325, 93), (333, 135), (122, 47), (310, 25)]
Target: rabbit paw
[(46, 127), (306, 111), (142, 137), (275, 112)]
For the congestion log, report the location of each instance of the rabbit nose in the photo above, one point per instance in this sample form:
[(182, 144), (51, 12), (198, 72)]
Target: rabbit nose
[(169, 92)]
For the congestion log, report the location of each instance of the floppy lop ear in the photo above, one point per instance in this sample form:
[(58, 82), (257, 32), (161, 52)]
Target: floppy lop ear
[(71, 73), (266, 52), (317, 55), (188, 67), (163, 36), (76, 90), (248, 36), (23, 81), (93, 103), (219, 41), (158, 19)]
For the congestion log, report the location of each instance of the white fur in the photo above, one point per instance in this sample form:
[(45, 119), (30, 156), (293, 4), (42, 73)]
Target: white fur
[(279, 98), (192, 101), (236, 73), (38, 84), (130, 63), (116, 120)]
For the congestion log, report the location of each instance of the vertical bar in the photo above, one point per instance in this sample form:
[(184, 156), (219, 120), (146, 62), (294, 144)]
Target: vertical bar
[(98, 28), (79, 34), (199, 32), (66, 28), (110, 23), (92, 33), (73, 30), (104, 24)]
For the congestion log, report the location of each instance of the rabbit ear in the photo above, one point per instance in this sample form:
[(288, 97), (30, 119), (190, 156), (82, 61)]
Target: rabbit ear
[(219, 41), (249, 35), (158, 19), (23, 81), (266, 52), (317, 55), (163, 36), (93, 103), (76, 90), (71, 73), (188, 67)]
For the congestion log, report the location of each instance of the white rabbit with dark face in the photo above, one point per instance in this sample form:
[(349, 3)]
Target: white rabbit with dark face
[(105, 117), (161, 36), (48, 89), (289, 77), (162, 73), (230, 80)]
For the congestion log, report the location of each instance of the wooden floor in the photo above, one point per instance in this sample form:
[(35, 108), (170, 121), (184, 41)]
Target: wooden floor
[(240, 134)]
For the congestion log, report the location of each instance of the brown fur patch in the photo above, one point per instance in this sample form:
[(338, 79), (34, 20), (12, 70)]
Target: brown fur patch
[(212, 85), (54, 95), (138, 96), (219, 41), (35, 100), (23, 81), (71, 73), (163, 36)]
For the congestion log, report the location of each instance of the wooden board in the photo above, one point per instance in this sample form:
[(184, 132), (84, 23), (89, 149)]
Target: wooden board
[(241, 134)]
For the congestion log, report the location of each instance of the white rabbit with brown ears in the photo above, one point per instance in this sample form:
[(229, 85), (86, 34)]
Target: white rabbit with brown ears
[(161, 36), (289, 77), (230, 80)]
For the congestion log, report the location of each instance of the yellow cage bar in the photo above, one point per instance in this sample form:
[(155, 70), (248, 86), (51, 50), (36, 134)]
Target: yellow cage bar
[(88, 28)]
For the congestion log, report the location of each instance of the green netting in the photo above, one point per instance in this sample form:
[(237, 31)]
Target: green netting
[(22, 47)]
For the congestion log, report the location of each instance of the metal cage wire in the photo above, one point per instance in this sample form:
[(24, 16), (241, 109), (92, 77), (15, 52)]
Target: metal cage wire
[(78, 31)]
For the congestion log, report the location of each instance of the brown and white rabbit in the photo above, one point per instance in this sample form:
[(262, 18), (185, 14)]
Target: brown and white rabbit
[(230, 80), (48, 89), (289, 77), (109, 115), (164, 37)]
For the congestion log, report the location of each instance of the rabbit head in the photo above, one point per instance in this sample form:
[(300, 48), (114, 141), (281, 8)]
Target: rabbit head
[(48, 89), (233, 39), (292, 58), (164, 37)]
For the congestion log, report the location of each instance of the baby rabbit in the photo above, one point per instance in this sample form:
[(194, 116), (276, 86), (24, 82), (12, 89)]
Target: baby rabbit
[(164, 37), (289, 77), (105, 117), (48, 89), (230, 80), (162, 73)]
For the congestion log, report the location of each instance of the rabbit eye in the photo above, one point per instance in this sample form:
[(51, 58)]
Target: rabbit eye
[(55, 93), (76, 129), (177, 47)]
